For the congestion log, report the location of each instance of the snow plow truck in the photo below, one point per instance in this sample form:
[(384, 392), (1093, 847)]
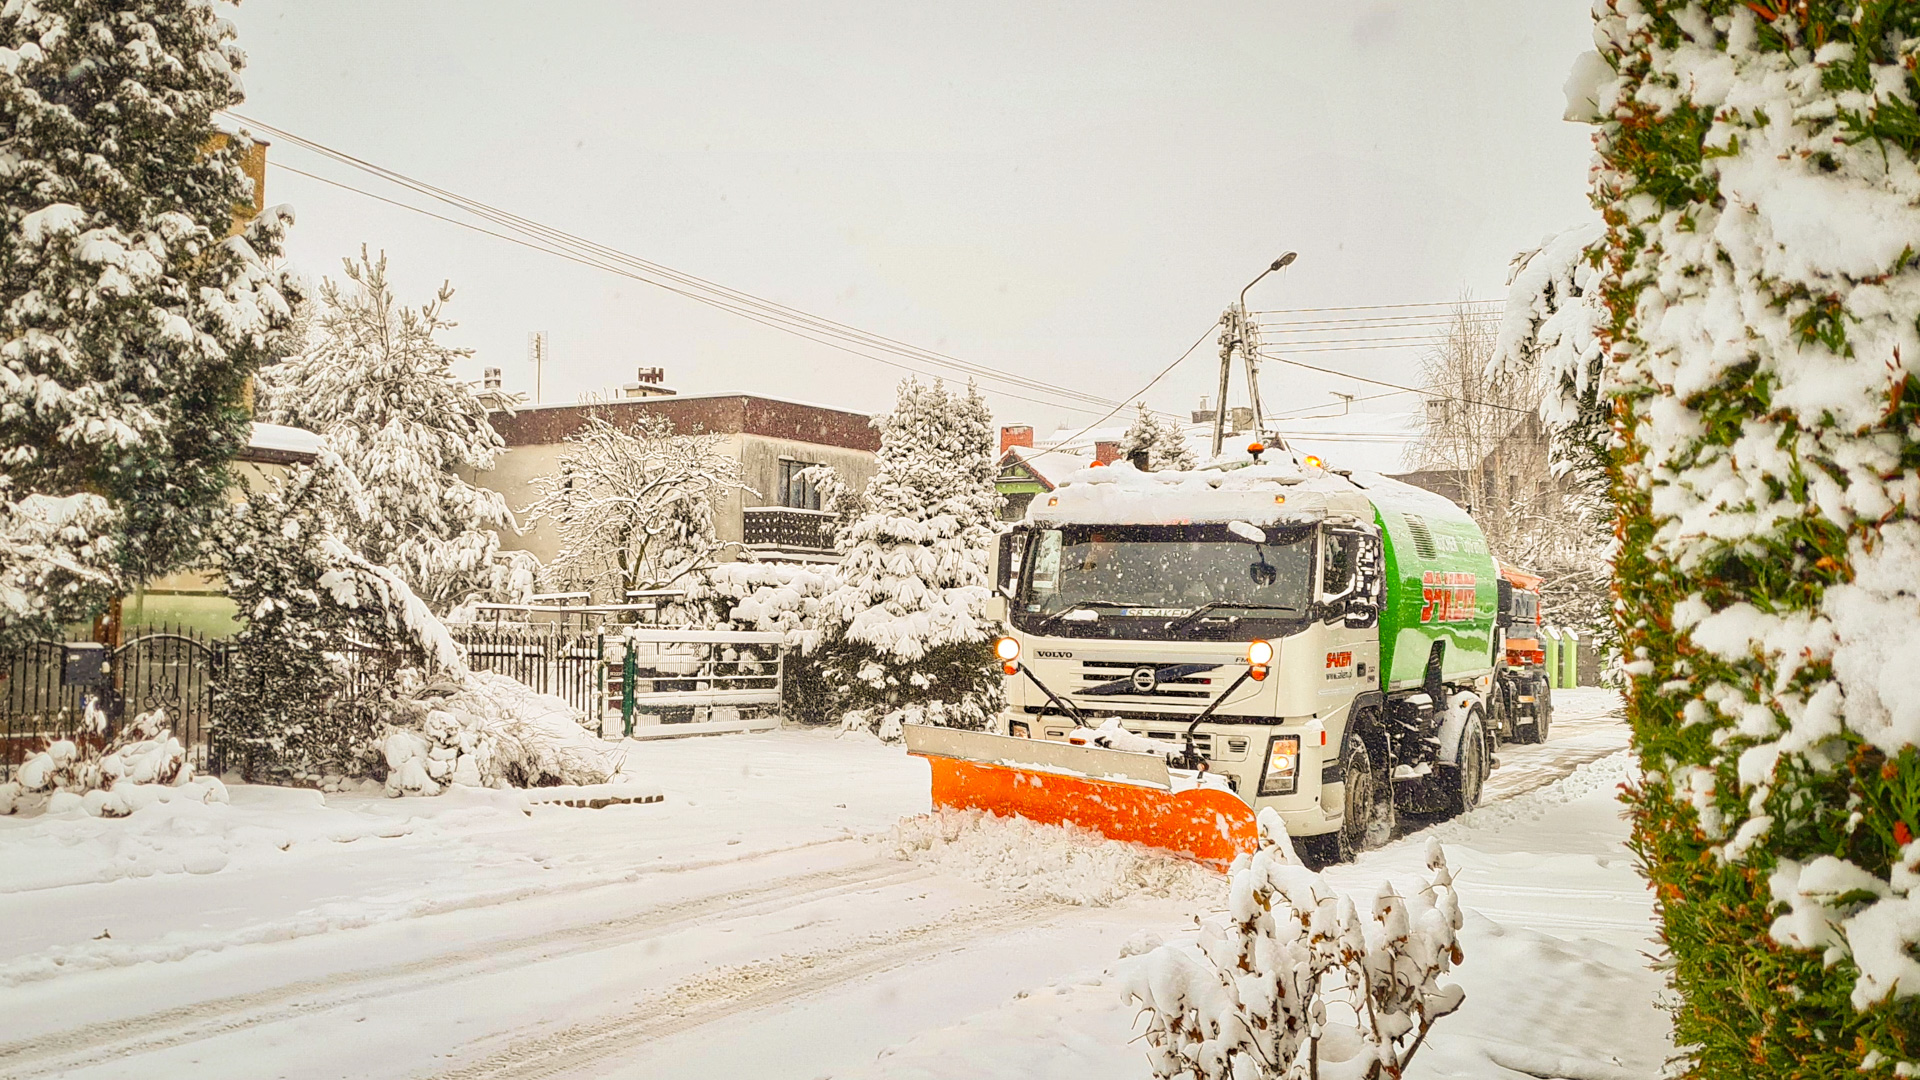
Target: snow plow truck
[(1185, 649)]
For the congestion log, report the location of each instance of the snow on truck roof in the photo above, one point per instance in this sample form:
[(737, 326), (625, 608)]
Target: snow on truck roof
[(1278, 489), (1267, 492)]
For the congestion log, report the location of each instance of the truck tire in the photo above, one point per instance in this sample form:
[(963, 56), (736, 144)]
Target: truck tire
[(1462, 782), (1536, 729), (1362, 812)]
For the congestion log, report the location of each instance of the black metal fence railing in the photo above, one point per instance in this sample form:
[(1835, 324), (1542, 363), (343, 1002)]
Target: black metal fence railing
[(154, 667), (564, 661)]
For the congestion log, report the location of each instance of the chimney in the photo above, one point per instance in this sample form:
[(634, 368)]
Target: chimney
[(652, 376), (490, 379), (1016, 435), (1106, 452)]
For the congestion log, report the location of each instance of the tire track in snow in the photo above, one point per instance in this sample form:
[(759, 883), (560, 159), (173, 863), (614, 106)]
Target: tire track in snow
[(728, 991), (111, 1040)]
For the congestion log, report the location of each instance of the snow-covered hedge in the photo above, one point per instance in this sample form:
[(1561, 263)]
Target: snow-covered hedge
[(1295, 982), (1759, 176), (142, 764)]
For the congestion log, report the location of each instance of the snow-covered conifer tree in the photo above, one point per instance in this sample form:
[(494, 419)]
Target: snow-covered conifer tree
[(129, 318), (377, 385), (1163, 440), (1759, 175), (634, 505), (909, 604)]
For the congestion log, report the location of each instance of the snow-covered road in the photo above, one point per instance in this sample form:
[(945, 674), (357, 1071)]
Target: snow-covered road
[(758, 923)]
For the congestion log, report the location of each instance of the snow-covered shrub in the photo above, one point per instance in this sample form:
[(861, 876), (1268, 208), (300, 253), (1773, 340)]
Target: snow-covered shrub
[(1295, 982), (488, 730), (909, 607), (789, 600), (140, 765), (372, 380), (1759, 176), (129, 318)]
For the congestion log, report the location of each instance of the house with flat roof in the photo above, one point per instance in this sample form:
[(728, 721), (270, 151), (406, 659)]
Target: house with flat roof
[(779, 518)]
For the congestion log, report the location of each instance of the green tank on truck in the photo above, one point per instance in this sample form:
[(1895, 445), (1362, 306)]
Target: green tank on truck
[(1318, 643), (1441, 589)]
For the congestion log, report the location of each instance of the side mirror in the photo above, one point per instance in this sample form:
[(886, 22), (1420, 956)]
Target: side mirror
[(997, 608), (1013, 544)]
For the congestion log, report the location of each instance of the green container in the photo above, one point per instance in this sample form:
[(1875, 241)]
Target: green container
[(1441, 587)]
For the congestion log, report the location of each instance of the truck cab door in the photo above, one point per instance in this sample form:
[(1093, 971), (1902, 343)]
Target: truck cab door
[(1351, 576)]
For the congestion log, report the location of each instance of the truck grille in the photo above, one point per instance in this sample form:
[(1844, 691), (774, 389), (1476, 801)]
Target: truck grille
[(1170, 682)]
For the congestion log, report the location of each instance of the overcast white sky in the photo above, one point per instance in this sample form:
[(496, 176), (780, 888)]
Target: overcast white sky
[(1068, 191)]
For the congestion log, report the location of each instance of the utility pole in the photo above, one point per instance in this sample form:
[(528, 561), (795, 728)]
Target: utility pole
[(1237, 331), (537, 356)]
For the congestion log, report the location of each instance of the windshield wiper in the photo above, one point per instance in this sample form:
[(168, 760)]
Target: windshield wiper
[(1198, 613), (1081, 605)]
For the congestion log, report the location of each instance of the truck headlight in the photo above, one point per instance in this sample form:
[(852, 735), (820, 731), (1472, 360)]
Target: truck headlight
[(1018, 729), (1008, 651), (1281, 776), (1259, 657)]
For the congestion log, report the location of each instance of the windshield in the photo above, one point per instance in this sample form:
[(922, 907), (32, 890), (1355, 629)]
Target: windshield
[(1086, 574)]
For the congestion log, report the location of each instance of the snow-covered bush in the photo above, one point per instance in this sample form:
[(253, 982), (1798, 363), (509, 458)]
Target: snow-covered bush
[(488, 730), (129, 318), (1759, 176), (1295, 982), (140, 765), (372, 380), (909, 607)]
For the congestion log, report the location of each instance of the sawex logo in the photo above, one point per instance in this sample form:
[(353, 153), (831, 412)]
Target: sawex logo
[(1448, 596)]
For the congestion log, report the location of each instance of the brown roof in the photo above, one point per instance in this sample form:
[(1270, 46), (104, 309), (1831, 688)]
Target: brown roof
[(725, 413)]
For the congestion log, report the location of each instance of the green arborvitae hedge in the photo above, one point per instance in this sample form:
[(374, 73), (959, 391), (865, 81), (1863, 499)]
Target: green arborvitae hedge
[(1757, 175)]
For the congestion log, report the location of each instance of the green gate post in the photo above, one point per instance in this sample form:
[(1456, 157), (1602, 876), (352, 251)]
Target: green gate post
[(1570, 660), (627, 669), (1550, 644)]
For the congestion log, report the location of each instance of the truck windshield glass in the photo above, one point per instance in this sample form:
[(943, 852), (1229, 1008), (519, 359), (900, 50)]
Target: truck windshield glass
[(1165, 571)]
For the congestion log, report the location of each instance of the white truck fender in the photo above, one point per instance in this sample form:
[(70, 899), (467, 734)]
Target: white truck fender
[(1459, 706)]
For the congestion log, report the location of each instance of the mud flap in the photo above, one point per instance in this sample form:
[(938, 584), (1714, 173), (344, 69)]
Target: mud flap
[(1120, 795)]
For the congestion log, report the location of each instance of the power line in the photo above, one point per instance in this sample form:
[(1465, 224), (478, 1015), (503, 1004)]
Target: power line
[(1204, 334), (1377, 307), (1397, 386), (584, 261), (768, 313)]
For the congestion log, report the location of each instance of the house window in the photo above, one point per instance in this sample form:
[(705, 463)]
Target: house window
[(796, 490)]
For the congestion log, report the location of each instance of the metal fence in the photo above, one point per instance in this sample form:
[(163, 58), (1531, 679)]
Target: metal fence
[(154, 667), (567, 662)]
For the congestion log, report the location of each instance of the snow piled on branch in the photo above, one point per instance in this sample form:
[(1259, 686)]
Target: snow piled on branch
[(1251, 1000), (1799, 278), (1553, 319)]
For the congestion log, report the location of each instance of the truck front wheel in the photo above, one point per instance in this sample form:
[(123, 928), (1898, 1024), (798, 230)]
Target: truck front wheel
[(1363, 811)]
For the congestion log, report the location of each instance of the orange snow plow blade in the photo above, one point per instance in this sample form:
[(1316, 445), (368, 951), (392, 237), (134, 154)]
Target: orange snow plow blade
[(1122, 795)]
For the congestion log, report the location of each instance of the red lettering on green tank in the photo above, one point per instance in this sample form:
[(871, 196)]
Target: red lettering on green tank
[(1448, 596)]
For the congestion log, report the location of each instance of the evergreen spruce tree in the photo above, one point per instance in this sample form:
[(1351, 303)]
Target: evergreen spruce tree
[(1163, 441), (129, 320), (911, 640), (374, 382)]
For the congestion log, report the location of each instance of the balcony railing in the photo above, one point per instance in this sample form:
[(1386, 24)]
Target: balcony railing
[(784, 529)]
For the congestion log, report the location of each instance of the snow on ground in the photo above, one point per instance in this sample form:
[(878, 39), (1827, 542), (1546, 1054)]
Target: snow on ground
[(764, 920)]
